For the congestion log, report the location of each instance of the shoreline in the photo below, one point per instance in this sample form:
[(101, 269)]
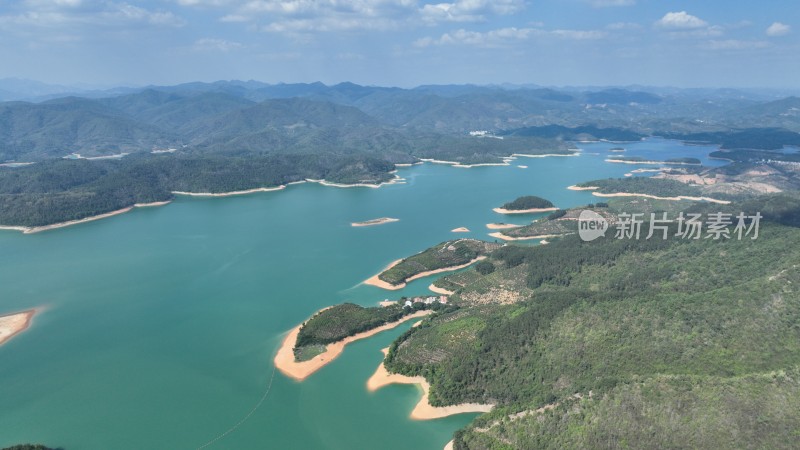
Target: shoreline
[(396, 180), (582, 188), (373, 222), (231, 193), (502, 226), (423, 410), (504, 237), (438, 290), (648, 162), (460, 230), (655, 197), (284, 359), (39, 229), (377, 282), (14, 324), (524, 211)]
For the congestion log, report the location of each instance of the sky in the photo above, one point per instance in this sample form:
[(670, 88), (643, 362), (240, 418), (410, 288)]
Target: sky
[(696, 43)]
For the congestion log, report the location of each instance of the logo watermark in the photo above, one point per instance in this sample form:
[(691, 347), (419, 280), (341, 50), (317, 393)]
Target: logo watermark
[(715, 226), (591, 225)]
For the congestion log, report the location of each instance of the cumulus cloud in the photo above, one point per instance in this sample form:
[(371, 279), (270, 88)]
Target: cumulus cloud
[(608, 3), (306, 16), (505, 36), (778, 29), (469, 10), (680, 21), (57, 13), (219, 45)]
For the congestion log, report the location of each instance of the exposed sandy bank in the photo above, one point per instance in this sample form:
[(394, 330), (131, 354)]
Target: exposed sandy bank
[(423, 410), (376, 281), (285, 362), (523, 211), (13, 324), (373, 222)]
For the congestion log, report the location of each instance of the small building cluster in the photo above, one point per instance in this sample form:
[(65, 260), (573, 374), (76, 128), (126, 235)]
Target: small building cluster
[(426, 300)]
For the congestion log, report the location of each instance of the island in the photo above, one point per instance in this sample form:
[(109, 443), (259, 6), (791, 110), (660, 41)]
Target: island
[(13, 324), (445, 257), (460, 230), (526, 205), (373, 222)]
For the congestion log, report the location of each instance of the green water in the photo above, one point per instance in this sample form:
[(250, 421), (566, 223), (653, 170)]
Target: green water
[(159, 326)]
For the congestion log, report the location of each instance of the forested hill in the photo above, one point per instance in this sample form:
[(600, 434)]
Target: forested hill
[(624, 343), (199, 136)]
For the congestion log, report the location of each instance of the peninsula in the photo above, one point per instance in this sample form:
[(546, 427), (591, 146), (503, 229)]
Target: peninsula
[(445, 257)]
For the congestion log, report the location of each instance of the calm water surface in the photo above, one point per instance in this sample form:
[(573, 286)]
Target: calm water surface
[(159, 326)]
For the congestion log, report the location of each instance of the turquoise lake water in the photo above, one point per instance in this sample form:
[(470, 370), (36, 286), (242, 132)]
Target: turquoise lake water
[(159, 326)]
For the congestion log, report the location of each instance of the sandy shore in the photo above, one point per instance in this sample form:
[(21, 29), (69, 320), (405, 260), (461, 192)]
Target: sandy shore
[(395, 180), (680, 197), (423, 410), (501, 226), (523, 211), (151, 204), (672, 163), (29, 230), (506, 162), (439, 290), (13, 324), (449, 445), (376, 281), (372, 222), (579, 188), (460, 230), (546, 155), (231, 193), (502, 236), (285, 362)]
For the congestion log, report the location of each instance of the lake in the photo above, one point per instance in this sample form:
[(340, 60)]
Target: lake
[(159, 326)]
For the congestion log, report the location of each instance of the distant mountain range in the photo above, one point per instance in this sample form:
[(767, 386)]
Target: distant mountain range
[(249, 116), (238, 135)]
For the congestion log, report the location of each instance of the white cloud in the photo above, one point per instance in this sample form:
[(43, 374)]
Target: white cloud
[(618, 26), (220, 45), (57, 13), (778, 29), (308, 16), (506, 36), (607, 3), (469, 10), (734, 44), (680, 21)]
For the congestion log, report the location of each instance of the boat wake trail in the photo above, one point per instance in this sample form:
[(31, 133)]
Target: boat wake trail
[(244, 419)]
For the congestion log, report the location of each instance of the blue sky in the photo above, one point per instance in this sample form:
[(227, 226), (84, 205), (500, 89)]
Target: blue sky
[(708, 43)]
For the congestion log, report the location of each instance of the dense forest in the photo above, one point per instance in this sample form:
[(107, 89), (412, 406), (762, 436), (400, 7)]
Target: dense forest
[(447, 254), (618, 341)]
